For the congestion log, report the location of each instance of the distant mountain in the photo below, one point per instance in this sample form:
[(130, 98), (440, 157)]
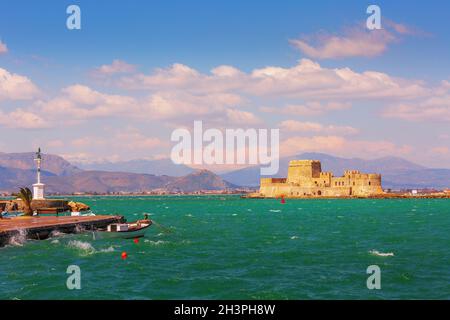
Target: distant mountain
[(156, 167), (11, 178), (396, 172), (199, 180), (50, 163), (104, 182)]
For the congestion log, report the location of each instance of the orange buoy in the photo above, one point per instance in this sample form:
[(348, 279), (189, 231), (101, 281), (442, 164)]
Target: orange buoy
[(124, 255)]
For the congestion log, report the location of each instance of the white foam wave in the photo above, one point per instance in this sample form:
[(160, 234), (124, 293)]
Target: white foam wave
[(109, 249), (155, 243), (85, 247), (19, 238), (381, 254)]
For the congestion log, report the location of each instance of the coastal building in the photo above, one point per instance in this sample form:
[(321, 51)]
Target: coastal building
[(306, 179)]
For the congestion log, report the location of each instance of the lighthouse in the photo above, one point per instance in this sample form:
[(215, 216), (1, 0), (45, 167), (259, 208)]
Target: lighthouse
[(38, 187)]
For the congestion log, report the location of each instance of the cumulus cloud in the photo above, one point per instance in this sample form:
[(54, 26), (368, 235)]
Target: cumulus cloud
[(342, 146), (22, 119), (116, 67), (16, 87), (356, 41), (307, 79), (3, 47), (314, 127), (312, 108), (433, 108), (242, 117)]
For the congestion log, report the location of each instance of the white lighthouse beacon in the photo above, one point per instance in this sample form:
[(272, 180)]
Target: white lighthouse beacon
[(38, 188)]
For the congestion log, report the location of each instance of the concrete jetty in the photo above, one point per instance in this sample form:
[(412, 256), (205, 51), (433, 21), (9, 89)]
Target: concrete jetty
[(40, 227)]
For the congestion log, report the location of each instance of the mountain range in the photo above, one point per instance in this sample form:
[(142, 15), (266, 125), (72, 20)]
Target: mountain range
[(396, 173), (60, 176)]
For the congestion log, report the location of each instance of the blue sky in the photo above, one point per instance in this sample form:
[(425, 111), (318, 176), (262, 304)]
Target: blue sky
[(409, 117)]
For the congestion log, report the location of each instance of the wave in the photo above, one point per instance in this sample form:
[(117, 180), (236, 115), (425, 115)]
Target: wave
[(155, 243), (18, 239), (86, 247), (56, 233), (109, 249), (82, 246), (381, 254)]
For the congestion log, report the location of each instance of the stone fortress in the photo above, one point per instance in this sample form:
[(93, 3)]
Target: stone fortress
[(306, 179)]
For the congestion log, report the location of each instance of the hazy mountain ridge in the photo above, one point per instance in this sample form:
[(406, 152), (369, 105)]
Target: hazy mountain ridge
[(156, 167), (60, 176), (64, 178), (396, 172), (51, 163)]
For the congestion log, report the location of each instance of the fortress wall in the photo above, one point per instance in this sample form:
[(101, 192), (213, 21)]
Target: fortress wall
[(305, 179)]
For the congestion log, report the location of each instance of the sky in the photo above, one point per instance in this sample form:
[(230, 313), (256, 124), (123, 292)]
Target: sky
[(136, 71)]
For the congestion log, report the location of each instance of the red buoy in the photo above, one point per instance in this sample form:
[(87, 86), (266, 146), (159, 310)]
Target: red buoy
[(136, 240), (124, 255)]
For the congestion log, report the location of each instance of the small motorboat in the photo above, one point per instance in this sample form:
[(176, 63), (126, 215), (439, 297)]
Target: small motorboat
[(130, 230)]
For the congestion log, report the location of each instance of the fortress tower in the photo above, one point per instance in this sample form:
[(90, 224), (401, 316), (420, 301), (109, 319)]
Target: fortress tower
[(300, 172)]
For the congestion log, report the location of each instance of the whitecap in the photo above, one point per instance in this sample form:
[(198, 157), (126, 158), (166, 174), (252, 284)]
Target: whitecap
[(82, 246), (56, 233), (272, 210), (109, 249), (294, 237), (18, 239), (155, 243), (381, 254)]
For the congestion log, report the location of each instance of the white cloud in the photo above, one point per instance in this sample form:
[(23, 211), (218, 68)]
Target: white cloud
[(240, 117), (3, 47), (116, 67), (356, 42), (16, 87), (433, 108), (342, 146), (22, 119), (314, 127), (312, 108), (306, 80)]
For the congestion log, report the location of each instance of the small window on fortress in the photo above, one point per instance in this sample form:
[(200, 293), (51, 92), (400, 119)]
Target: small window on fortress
[(353, 182), (369, 183)]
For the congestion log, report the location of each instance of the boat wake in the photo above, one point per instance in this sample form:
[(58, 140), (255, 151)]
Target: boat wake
[(381, 254)]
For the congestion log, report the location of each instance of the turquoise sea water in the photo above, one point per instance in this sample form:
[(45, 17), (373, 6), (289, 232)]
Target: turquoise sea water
[(224, 247)]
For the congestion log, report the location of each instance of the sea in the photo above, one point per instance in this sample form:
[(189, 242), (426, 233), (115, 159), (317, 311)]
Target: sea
[(227, 247)]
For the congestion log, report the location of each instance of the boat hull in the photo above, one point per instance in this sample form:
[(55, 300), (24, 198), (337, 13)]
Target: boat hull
[(121, 234)]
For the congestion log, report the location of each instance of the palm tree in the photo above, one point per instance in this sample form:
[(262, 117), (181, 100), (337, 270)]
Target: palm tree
[(26, 196)]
